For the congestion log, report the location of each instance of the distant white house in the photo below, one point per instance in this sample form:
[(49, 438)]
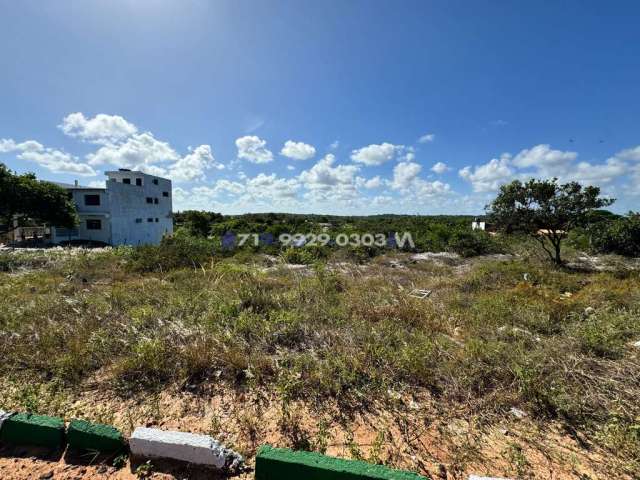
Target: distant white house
[(475, 225), (134, 209)]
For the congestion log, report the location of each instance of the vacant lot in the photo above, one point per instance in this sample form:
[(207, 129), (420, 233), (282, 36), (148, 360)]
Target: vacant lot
[(510, 367)]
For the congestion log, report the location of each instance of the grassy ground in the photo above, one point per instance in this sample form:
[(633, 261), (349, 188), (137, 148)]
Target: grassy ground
[(340, 358)]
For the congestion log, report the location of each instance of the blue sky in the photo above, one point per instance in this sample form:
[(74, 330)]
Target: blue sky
[(325, 106)]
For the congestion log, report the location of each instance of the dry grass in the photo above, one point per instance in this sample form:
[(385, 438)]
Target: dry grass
[(342, 343)]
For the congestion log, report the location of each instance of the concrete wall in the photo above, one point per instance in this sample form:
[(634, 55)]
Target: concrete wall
[(87, 212), (133, 220), (83, 233), (126, 215)]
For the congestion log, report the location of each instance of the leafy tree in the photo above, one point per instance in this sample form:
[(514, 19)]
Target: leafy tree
[(197, 223), (26, 199), (545, 210)]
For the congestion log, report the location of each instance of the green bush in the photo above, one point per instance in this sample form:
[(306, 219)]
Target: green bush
[(470, 244), (179, 251), (303, 255), (620, 236)]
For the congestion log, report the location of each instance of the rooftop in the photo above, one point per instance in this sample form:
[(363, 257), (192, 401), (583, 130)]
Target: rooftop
[(71, 186)]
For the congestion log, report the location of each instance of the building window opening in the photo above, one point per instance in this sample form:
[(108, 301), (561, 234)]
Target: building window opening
[(93, 224), (139, 182), (156, 220), (149, 200), (150, 220), (127, 181), (138, 220), (165, 194), (155, 200), (92, 200), (155, 181)]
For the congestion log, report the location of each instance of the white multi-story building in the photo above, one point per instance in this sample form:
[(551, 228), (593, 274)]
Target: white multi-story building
[(134, 209)]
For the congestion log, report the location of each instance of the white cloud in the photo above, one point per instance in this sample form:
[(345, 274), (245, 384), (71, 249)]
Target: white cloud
[(53, 160), (588, 173), (253, 149), (334, 145), (632, 154), (413, 188), (542, 161), (375, 154), (253, 122), (488, 177), (290, 167), (427, 138), (422, 189), (375, 182), (97, 184), (440, 168), (410, 156), (194, 165), (548, 162), (404, 173), (328, 183), (298, 150), (139, 152), (382, 200), (235, 188), (324, 174), (100, 129), (271, 187), (198, 198)]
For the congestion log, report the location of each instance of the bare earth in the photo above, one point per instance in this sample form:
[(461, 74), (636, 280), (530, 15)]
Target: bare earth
[(416, 436)]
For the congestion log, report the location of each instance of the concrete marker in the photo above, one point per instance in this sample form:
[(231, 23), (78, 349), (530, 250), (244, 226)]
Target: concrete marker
[(3, 416), (183, 446), (284, 464), (83, 435), (31, 429)]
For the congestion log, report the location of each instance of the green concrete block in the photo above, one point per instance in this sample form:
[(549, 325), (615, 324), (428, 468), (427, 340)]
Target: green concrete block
[(284, 464), (30, 429), (83, 435)]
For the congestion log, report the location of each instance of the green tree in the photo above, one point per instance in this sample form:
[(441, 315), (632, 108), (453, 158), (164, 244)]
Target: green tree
[(545, 210), (198, 223), (25, 199)]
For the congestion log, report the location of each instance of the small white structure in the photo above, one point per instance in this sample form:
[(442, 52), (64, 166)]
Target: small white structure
[(4, 416), (134, 209), (478, 225), (183, 446)]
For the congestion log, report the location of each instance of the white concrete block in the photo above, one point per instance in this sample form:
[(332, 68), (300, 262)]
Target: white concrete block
[(183, 446), (3, 416)]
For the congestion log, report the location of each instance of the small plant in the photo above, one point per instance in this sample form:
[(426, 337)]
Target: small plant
[(29, 398), (322, 437), (144, 470), (215, 425), (354, 448), (290, 424), (120, 461), (514, 454), (376, 449)]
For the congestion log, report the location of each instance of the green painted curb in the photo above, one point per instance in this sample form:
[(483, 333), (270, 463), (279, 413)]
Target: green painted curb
[(284, 464), (31, 429), (83, 435)]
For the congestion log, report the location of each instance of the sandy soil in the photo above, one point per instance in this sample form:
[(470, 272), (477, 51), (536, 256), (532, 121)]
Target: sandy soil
[(408, 431)]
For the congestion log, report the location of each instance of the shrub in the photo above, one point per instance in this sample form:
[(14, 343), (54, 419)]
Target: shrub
[(303, 255), (620, 236), (470, 244), (173, 252)]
